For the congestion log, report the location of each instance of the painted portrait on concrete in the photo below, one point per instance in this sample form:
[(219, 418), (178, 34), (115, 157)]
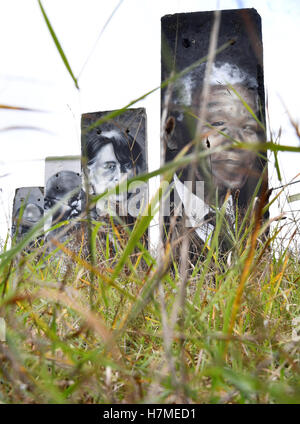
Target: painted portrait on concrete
[(234, 106), (62, 192), (28, 210), (114, 152)]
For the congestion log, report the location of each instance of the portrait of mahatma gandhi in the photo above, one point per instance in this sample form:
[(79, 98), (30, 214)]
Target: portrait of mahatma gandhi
[(112, 156)]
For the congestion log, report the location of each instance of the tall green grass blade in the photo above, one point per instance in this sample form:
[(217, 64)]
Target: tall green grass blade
[(294, 197), (249, 109), (57, 44)]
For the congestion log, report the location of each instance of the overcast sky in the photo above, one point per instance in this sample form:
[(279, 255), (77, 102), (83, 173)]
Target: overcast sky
[(121, 66)]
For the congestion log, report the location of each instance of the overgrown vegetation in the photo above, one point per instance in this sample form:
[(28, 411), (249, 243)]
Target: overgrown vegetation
[(229, 335), (130, 328)]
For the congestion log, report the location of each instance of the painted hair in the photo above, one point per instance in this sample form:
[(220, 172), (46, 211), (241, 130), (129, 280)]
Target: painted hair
[(61, 183), (126, 148), (227, 73), (221, 74)]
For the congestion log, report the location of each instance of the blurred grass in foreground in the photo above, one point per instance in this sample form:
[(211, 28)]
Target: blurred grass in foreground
[(234, 340)]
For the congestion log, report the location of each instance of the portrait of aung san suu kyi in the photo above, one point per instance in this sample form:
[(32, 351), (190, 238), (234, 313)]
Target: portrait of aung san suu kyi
[(112, 156)]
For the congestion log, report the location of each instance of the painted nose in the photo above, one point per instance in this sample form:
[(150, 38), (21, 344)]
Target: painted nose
[(233, 133), (236, 133), (117, 175)]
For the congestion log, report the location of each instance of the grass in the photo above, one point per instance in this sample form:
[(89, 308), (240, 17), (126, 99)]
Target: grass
[(232, 340)]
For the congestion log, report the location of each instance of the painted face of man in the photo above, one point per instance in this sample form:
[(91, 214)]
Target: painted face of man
[(106, 172), (226, 113), (57, 189), (68, 208)]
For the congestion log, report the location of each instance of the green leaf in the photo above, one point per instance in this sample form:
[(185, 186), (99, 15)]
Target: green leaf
[(294, 198), (277, 166), (58, 46)]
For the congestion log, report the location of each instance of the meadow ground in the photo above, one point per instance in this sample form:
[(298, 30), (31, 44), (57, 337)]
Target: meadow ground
[(131, 329)]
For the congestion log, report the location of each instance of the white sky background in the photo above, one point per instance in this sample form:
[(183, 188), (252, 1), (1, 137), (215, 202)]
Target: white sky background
[(124, 65)]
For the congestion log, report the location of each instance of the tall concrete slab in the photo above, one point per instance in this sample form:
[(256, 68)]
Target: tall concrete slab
[(232, 111), (63, 193), (28, 210)]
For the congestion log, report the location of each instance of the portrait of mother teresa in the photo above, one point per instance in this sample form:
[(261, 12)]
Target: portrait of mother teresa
[(232, 115)]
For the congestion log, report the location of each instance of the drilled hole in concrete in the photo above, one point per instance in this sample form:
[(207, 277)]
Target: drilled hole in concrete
[(186, 43)]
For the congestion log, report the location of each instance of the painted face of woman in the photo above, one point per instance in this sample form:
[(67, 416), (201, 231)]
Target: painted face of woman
[(106, 172), (227, 114)]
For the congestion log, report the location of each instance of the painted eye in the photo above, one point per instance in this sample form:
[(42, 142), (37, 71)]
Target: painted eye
[(218, 123), (110, 165)]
